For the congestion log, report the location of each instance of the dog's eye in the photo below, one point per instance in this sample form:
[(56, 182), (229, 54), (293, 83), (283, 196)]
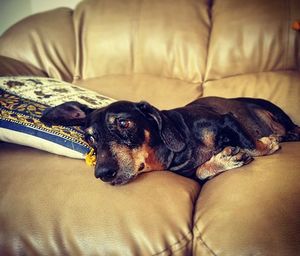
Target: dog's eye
[(125, 124), (90, 139)]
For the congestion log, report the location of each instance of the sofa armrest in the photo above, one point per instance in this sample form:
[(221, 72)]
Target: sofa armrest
[(45, 40)]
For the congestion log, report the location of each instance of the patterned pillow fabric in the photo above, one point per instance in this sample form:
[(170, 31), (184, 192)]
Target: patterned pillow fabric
[(22, 102)]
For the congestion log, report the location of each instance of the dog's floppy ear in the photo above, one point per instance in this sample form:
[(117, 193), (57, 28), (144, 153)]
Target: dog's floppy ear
[(68, 114), (168, 130)]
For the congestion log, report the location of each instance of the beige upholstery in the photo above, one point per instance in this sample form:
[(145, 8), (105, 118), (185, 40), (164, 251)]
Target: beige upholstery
[(253, 210), (168, 53), (54, 206), (142, 37), (255, 36)]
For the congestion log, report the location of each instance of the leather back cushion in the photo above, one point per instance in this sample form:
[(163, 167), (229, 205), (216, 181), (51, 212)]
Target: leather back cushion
[(161, 38), (252, 36)]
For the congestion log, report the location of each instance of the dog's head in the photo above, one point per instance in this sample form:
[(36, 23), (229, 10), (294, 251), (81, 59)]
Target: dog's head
[(129, 138)]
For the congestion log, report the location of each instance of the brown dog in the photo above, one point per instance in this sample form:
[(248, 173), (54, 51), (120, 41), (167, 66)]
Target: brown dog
[(200, 140)]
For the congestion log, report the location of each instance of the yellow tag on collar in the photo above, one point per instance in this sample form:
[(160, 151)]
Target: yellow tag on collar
[(90, 158)]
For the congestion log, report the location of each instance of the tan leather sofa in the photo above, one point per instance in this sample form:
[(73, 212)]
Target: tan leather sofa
[(168, 53)]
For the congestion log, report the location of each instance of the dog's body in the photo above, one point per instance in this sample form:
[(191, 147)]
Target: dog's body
[(202, 139)]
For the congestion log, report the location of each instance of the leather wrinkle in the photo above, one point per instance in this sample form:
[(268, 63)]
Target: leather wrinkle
[(35, 37), (209, 11), (79, 46), (135, 21), (195, 226), (199, 237), (176, 243), (60, 57), (288, 21)]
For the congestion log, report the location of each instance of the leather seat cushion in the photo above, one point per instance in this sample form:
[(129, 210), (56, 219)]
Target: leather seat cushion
[(57, 207), (253, 210)]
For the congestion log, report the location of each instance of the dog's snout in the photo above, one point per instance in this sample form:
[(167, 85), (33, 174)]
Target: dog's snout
[(107, 167), (106, 173)]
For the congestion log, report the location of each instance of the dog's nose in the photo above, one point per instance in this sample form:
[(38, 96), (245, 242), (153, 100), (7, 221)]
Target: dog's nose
[(105, 173)]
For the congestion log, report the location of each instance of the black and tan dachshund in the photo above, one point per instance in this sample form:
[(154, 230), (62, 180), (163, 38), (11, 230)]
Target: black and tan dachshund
[(200, 140)]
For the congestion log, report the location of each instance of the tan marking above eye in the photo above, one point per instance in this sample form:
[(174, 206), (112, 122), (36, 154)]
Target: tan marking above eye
[(111, 119), (89, 130)]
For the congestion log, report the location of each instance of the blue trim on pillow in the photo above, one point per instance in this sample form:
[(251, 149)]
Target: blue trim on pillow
[(45, 135)]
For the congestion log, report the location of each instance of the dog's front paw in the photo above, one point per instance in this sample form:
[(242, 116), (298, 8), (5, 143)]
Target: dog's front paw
[(232, 157), (228, 158)]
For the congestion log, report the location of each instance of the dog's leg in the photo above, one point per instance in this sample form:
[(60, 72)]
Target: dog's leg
[(233, 157), (228, 158)]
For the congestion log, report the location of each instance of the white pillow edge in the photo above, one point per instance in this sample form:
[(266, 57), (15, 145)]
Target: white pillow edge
[(24, 139)]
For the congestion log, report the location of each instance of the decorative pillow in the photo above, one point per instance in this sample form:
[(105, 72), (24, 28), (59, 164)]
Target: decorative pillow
[(22, 102)]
